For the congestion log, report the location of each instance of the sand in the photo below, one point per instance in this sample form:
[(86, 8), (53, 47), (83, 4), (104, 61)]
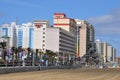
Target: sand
[(65, 74)]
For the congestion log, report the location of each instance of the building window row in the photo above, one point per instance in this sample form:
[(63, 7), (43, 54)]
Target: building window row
[(66, 42), (72, 41), (66, 35), (70, 47), (65, 50)]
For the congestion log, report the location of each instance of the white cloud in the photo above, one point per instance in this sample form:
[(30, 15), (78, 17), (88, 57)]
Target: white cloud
[(107, 24), (101, 19)]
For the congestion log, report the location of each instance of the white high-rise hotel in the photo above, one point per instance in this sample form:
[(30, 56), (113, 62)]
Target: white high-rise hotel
[(26, 35), (18, 34)]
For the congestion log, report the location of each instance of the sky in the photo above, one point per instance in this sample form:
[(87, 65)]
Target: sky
[(104, 15)]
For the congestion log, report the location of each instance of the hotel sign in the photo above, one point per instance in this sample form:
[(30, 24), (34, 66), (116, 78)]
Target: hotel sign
[(38, 25)]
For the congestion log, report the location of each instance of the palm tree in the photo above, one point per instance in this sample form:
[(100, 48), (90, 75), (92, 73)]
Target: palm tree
[(3, 46), (50, 56), (60, 57), (50, 53), (19, 57), (37, 57), (13, 51), (16, 57), (2, 61), (29, 51)]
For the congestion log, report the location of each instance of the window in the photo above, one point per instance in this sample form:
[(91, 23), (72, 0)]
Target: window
[(43, 45), (43, 28), (43, 36), (43, 40)]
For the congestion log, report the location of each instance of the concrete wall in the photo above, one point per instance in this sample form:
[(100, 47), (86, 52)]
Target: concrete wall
[(17, 69), (4, 70)]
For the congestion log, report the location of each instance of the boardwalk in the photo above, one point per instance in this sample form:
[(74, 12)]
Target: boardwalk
[(69, 74)]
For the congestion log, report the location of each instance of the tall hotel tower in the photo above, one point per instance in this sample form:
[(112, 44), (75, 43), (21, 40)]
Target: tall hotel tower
[(85, 37)]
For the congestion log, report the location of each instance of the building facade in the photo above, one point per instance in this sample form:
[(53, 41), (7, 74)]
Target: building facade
[(39, 37), (61, 41), (99, 48), (105, 51), (118, 60), (26, 35), (85, 37), (1, 32), (109, 53), (8, 31), (62, 21)]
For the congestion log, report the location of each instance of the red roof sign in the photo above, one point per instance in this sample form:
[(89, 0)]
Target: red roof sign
[(38, 25)]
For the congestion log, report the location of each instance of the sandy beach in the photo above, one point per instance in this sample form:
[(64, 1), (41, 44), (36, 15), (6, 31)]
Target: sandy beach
[(65, 74)]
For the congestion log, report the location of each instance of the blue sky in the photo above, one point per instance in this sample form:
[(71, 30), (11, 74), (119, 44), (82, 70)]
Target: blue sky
[(103, 14)]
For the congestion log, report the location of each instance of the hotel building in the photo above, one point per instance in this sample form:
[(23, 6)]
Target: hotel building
[(66, 28), (60, 40), (85, 37), (105, 51), (62, 21), (39, 36), (26, 35)]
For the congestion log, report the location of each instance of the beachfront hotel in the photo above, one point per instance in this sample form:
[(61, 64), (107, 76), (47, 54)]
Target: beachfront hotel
[(85, 37), (106, 52)]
